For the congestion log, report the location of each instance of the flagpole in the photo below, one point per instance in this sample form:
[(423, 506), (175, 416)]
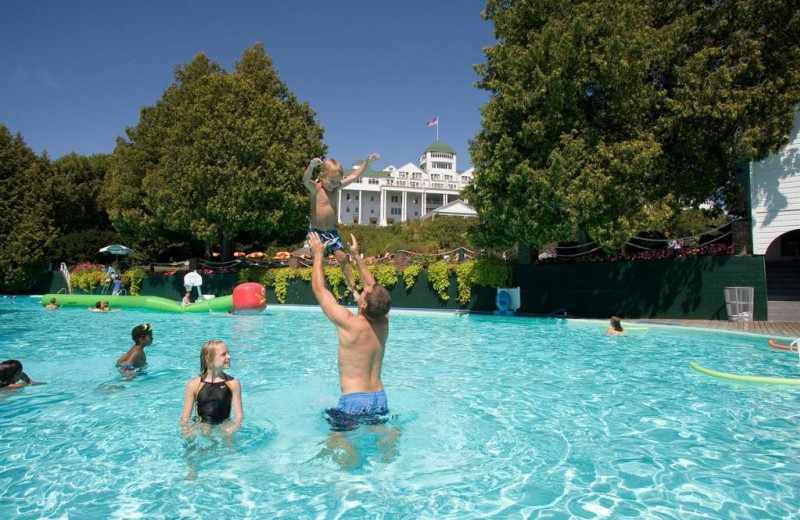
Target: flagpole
[(437, 128)]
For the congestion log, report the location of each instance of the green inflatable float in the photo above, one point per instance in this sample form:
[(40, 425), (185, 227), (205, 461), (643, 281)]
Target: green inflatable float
[(155, 303), (794, 381)]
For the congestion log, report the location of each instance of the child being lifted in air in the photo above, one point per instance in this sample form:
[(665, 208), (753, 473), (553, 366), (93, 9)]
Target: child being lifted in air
[(324, 205)]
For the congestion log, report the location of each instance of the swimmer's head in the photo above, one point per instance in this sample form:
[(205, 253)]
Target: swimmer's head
[(140, 332), (616, 324), (9, 370), (209, 353), (376, 302), (330, 174), (52, 300), (98, 305)]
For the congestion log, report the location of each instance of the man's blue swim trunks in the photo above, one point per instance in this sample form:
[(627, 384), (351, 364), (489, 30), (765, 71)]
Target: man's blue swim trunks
[(327, 235), (358, 408)]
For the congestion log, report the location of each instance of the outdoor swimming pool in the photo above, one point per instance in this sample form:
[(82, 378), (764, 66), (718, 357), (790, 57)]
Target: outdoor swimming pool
[(497, 417)]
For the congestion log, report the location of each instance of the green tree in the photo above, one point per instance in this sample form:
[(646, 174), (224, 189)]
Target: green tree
[(26, 230), (74, 186), (608, 116), (219, 154)]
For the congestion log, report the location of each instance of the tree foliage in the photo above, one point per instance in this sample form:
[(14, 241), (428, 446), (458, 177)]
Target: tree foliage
[(26, 230), (608, 116), (220, 153), (74, 186)]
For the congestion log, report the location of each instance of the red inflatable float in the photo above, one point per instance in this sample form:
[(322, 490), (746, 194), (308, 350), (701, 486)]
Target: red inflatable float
[(249, 297)]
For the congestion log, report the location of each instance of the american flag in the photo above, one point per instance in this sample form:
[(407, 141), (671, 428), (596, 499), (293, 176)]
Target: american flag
[(432, 122)]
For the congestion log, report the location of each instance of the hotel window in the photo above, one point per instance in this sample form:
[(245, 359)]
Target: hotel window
[(372, 211), (395, 211), (348, 196), (372, 199), (374, 181), (395, 198), (347, 209)]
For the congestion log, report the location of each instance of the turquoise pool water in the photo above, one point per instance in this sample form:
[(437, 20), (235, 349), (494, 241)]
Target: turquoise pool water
[(495, 417)]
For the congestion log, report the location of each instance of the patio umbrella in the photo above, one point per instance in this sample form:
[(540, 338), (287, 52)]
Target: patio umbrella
[(117, 250), (303, 252)]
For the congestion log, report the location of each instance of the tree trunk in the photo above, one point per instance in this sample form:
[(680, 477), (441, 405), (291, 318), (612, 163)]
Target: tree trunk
[(226, 247)]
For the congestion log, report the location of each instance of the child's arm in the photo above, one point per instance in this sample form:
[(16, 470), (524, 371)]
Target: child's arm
[(358, 171), (126, 366), (307, 182), (25, 380), (363, 272), (188, 402), (123, 357), (238, 413)]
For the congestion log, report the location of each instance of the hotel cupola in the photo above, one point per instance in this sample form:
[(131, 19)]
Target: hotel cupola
[(438, 158)]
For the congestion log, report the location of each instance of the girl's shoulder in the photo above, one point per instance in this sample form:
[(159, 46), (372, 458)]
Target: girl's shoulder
[(193, 382)]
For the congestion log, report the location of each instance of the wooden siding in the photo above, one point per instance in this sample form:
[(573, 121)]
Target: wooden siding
[(775, 193)]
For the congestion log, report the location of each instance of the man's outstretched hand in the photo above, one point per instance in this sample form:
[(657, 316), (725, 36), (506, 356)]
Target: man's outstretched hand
[(353, 245), (316, 245)]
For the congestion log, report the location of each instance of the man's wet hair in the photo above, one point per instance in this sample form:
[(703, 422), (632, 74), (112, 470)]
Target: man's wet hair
[(379, 302)]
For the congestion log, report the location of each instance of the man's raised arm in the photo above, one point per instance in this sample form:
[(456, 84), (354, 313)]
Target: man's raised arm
[(335, 312), (363, 273)]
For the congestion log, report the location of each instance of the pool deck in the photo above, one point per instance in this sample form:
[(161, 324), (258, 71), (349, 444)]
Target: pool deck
[(789, 329)]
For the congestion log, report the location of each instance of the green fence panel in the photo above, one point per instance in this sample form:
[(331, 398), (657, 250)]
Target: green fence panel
[(687, 288)]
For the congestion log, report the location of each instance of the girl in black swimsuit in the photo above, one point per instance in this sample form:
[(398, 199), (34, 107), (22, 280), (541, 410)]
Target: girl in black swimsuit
[(213, 393)]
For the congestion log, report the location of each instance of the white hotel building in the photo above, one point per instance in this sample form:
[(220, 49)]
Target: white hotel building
[(411, 192)]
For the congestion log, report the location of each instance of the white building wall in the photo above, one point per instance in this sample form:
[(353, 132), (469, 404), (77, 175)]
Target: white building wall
[(405, 193), (775, 192)]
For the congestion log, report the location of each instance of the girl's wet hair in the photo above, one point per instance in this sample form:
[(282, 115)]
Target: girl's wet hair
[(8, 370), (616, 324), (207, 354)]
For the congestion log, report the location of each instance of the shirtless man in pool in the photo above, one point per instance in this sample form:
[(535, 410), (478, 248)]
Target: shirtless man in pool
[(362, 343)]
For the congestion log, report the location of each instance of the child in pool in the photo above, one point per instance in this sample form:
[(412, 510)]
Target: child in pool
[(12, 376), (135, 358), (213, 392)]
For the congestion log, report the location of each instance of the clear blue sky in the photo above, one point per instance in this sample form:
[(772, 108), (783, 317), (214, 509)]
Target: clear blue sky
[(74, 74)]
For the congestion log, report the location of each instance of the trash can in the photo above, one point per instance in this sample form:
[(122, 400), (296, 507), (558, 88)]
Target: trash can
[(739, 302)]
